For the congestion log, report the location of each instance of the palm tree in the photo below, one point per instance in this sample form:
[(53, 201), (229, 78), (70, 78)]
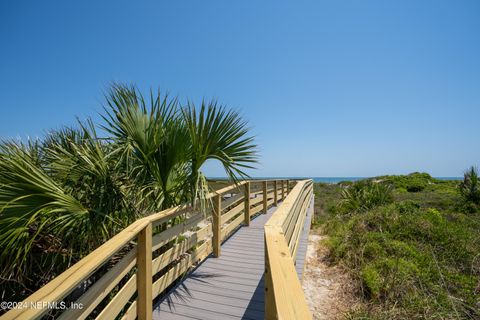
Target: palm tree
[(63, 196), (164, 145)]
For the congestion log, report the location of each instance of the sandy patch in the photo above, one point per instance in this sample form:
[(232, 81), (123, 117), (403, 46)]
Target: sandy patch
[(326, 287)]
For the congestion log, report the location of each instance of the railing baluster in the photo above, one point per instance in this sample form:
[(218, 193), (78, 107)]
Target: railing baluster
[(144, 273), (265, 196), (247, 204), (283, 190), (275, 193), (216, 224)]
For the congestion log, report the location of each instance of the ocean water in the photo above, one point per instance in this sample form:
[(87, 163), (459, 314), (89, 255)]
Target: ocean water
[(331, 179), (352, 179), (340, 179)]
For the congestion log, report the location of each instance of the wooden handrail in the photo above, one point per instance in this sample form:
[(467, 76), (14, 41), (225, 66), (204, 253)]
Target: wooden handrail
[(284, 297), (233, 205)]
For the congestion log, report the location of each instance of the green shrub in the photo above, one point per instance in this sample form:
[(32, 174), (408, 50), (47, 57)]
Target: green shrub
[(365, 195), (414, 182), (410, 258), (371, 280), (470, 187), (416, 186)]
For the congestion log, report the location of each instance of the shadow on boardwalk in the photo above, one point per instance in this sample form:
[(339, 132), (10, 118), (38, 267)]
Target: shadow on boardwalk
[(228, 287)]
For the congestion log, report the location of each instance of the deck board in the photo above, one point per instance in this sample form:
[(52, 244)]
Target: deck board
[(231, 286)]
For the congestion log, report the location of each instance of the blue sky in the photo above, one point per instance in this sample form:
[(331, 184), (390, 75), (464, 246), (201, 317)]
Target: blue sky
[(330, 88)]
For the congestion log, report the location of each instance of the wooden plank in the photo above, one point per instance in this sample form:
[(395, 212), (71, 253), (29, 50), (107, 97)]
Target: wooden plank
[(265, 206), (227, 189), (177, 250), (144, 274), (256, 201), (233, 274), (231, 292), (301, 253), (289, 221), (246, 266), (102, 287), (249, 248), (269, 203), (232, 213), (238, 260), (180, 268), (294, 218), (195, 313), (158, 218), (234, 200), (256, 209), (224, 298), (216, 222), (284, 289), (231, 226), (63, 284), (297, 232), (283, 293), (275, 193), (270, 304), (119, 301), (283, 210), (173, 274), (159, 240), (232, 279), (219, 308), (247, 204)]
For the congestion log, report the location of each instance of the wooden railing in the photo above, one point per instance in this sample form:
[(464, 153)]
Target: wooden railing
[(284, 297), (121, 278)]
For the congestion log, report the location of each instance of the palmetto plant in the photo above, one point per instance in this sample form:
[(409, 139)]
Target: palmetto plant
[(164, 145), (58, 201), (218, 134), (365, 195), (470, 186), (63, 196)]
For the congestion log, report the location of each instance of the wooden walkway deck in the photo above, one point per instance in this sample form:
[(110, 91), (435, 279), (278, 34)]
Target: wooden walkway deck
[(231, 286)]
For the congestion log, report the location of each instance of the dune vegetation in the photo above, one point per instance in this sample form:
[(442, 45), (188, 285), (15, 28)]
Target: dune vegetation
[(64, 195), (411, 244)]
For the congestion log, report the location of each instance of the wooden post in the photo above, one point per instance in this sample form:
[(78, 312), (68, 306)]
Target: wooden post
[(247, 204), (216, 224), (288, 186), (275, 193), (265, 196), (144, 274), (270, 308)]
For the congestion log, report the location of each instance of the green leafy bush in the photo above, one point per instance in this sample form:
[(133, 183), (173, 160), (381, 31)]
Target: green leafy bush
[(470, 186), (365, 195), (418, 259), (414, 182)]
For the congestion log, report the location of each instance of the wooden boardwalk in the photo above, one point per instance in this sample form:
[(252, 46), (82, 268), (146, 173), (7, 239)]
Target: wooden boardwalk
[(139, 265), (231, 286)]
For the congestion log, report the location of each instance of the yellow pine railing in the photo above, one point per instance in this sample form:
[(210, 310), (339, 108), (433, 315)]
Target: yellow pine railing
[(284, 297), (148, 256)]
